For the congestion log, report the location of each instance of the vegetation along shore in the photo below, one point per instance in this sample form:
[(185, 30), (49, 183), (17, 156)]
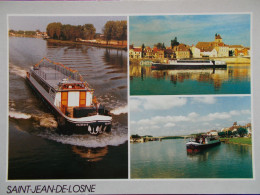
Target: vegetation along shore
[(114, 34)]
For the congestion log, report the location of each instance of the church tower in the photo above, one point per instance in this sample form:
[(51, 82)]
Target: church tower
[(218, 38)]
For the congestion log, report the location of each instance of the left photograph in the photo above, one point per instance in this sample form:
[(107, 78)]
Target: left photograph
[(68, 97)]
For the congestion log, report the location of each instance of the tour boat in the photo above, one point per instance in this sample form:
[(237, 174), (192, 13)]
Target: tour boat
[(69, 97), (201, 143), (189, 64)]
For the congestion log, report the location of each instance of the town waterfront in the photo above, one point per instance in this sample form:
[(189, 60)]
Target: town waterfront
[(233, 80), (36, 150), (169, 159)]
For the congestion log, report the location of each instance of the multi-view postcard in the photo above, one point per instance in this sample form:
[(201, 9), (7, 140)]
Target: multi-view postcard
[(67, 98), (105, 99)]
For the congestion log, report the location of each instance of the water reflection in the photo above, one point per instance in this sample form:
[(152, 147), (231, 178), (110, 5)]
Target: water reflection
[(234, 74), (91, 154), (203, 155)]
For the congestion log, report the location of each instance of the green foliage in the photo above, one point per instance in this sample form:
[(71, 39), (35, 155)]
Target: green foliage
[(160, 45), (136, 136), (115, 30), (54, 30), (89, 31), (70, 32), (174, 42), (242, 131), (221, 134)]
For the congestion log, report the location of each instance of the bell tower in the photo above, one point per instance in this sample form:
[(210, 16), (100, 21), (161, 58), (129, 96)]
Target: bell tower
[(218, 38)]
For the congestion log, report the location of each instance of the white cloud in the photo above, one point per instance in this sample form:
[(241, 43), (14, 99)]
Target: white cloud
[(245, 111), (135, 105), (205, 100), (216, 115), (162, 102), (168, 125)]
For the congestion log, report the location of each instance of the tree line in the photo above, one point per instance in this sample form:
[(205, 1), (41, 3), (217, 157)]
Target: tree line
[(113, 30), (22, 32)]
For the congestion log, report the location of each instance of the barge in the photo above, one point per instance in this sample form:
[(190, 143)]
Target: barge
[(203, 142), (69, 98), (189, 64)]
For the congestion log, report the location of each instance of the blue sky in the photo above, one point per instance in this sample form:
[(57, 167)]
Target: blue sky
[(190, 29), (170, 115), (41, 22)]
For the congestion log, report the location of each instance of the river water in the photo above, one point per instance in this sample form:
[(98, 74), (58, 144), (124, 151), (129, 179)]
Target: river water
[(169, 159), (36, 151), (233, 80)]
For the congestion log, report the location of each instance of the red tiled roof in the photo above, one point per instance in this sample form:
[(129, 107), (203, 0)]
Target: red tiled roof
[(137, 50)]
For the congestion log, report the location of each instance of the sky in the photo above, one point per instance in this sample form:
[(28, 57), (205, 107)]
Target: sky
[(33, 23), (190, 29), (171, 116)]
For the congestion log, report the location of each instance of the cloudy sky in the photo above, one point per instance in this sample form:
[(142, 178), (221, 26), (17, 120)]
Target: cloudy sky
[(169, 115), (40, 22), (189, 29)]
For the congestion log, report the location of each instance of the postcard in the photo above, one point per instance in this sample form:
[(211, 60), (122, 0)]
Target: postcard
[(142, 97)]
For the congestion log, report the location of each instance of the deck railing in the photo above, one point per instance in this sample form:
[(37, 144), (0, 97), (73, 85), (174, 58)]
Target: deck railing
[(73, 74)]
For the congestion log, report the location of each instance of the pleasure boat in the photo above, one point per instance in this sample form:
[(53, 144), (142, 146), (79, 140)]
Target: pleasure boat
[(69, 97)]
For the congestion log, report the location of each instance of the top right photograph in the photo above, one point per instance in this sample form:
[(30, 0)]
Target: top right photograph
[(190, 54)]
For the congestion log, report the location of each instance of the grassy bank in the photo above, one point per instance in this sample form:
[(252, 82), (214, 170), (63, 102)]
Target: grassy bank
[(238, 140), (90, 44)]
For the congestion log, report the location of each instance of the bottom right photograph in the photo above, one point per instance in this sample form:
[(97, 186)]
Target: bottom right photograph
[(191, 137)]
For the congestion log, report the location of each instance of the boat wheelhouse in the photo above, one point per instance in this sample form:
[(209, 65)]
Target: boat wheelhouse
[(69, 97), (189, 64)]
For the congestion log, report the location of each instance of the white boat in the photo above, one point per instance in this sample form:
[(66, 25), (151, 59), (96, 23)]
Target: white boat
[(69, 98), (189, 64)]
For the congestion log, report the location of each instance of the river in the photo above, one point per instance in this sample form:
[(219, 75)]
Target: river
[(169, 159), (36, 151), (235, 79)]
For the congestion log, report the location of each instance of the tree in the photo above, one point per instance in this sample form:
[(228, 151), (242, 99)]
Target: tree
[(242, 131), (221, 134), (89, 31), (143, 47), (174, 42), (136, 136), (109, 30), (115, 30), (160, 45)]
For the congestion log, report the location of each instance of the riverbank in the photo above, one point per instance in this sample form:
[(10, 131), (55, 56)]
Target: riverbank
[(228, 60), (238, 140), (111, 46)]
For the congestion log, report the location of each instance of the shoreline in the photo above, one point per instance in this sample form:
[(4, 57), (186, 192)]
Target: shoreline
[(110, 46), (123, 47), (239, 141), (229, 60)]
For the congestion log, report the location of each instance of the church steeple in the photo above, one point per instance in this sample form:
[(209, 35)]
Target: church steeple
[(218, 38)]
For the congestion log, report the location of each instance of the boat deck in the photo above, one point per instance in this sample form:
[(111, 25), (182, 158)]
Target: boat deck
[(52, 76)]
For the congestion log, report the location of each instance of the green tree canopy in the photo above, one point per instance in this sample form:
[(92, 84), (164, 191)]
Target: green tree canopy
[(174, 42), (89, 31), (160, 45), (115, 30), (242, 131)]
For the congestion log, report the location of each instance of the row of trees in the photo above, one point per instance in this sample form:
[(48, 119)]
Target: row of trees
[(116, 30), (241, 131), (22, 32), (56, 30)]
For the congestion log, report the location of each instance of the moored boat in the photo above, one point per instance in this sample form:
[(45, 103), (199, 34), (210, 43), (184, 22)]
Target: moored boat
[(69, 97), (189, 64), (202, 142)]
